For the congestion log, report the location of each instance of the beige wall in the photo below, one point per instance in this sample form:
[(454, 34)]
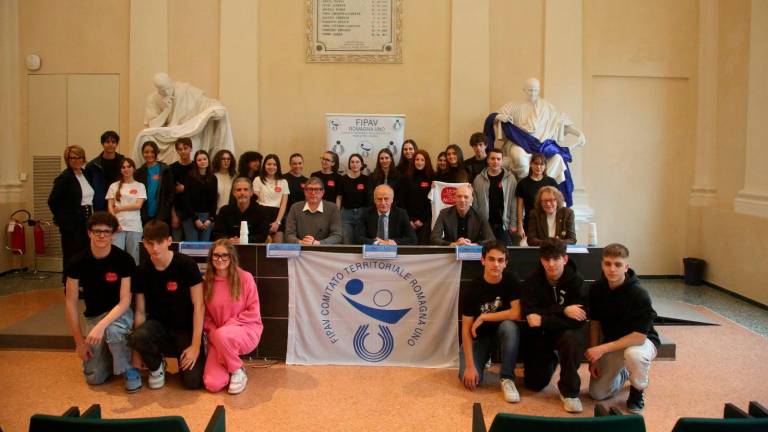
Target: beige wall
[(636, 103)]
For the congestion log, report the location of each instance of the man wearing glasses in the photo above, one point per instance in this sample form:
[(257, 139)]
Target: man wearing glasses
[(104, 273), (169, 310), (313, 221)]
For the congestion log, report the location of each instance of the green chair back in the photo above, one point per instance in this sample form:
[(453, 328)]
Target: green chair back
[(505, 422), (689, 424), (48, 423)]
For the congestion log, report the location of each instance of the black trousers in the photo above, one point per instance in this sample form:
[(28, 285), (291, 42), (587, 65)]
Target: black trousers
[(545, 349), (153, 340)]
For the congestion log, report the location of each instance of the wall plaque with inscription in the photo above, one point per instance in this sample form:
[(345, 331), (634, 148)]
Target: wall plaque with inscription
[(354, 31)]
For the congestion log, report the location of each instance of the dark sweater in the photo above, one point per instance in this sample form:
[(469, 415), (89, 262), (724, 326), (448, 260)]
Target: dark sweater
[(540, 297)]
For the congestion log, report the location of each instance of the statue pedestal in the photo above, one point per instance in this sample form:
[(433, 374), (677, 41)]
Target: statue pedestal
[(584, 215)]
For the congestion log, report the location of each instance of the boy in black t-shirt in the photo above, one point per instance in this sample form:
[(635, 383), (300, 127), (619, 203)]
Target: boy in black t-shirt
[(104, 273), (554, 304), (181, 171), (488, 311), (169, 310), (621, 309)]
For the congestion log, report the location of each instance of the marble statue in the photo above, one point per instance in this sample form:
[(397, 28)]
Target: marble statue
[(538, 118), (180, 110)]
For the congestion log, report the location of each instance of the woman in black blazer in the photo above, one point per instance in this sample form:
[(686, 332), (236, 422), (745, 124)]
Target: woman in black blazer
[(71, 202)]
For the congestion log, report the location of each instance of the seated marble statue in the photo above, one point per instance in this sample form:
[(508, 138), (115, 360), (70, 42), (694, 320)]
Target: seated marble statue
[(534, 126), (179, 110)]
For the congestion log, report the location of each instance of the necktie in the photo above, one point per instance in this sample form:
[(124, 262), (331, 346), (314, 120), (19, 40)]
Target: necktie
[(383, 231)]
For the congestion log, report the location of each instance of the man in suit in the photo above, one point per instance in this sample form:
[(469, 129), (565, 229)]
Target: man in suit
[(384, 224), (460, 224)]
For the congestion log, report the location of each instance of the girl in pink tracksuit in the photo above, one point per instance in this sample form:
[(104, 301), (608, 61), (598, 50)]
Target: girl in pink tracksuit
[(232, 319)]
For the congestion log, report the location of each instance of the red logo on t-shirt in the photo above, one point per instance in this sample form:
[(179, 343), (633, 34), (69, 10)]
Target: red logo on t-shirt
[(331, 183), (448, 195), (424, 184), (500, 186), (133, 191), (360, 186), (156, 177), (110, 277), (171, 286), (301, 185), (278, 189)]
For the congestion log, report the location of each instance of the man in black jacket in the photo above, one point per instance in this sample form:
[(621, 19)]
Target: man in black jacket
[(383, 223), (621, 309), (104, 169), (554, 304)]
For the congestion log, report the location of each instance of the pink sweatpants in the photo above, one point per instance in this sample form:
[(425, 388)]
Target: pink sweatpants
[(225, 346)]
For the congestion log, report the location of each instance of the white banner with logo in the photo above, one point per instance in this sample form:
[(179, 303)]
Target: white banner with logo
[(365, 134), (442, 196), (346, 310)]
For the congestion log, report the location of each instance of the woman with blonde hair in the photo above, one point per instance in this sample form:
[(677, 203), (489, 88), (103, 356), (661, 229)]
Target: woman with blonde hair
[(232, 318), (551, 218)]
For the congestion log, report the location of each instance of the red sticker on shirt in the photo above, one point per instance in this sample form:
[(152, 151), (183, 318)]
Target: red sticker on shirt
[(171, 286), (110, 277), (301, 185), (331, 183), (360, 186), (133, 191), (278, 189), (500, 186), (424, 184), (156, 177)]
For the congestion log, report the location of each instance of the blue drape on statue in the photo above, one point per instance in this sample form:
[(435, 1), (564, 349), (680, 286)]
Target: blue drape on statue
[(531, 144)]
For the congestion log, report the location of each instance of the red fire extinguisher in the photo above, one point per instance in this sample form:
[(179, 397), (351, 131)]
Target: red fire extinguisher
[(39, 235), (18, 242)]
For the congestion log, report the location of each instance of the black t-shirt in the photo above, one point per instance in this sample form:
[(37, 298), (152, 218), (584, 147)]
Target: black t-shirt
[(332, 183), (180, 175), (484, 297), (415, 196), (496, 199), (100, 278), (474, 167), (527, 189), (355, 192), (167, 295), (111, 169), (296, 187)]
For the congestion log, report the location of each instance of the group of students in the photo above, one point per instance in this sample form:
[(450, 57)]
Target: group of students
[(140, 315), (558, 319)]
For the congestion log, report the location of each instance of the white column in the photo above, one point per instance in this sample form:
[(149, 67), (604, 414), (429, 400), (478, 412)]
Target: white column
[(753, 199), (10, 117), (703, 191), (563, 82), (148, 55), (470, 69), (239, 70)]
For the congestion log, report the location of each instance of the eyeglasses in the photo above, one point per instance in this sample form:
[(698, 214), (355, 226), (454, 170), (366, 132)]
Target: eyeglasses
[(101, 233), (75, 158), (326, 160), (220, 257), (313, 190), (549, 201)]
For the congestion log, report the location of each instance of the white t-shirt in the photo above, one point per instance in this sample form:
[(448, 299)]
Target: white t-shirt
[(270, 194), (224, 182), (86, 189), (130, 193)]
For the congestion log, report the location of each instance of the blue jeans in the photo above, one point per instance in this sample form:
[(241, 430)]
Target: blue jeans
[(112, 355), (349, 219), (507, 338), (128, 241), (191, 233)]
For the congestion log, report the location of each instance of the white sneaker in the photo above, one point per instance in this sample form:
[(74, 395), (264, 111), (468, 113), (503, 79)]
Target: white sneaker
[(572, 405), (511, 394), (237, 381), (156, 378)]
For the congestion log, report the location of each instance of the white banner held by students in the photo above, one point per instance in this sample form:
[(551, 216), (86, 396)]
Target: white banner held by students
[(365, 134), (350, 311)]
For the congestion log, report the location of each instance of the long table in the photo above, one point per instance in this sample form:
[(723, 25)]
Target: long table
[(272, 281)]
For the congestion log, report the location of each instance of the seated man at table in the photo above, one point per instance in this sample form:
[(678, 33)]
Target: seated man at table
[(489, 308), (244, 209), (313, 221), (384, 224), (461, 225)]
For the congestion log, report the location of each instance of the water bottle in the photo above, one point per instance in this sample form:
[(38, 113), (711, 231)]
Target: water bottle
[(243, 232), (592, 234)]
